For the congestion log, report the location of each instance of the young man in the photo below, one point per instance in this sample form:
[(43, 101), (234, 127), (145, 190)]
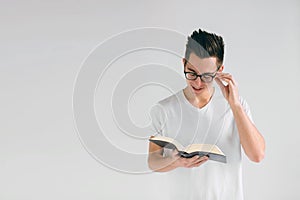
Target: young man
[(205, 113)]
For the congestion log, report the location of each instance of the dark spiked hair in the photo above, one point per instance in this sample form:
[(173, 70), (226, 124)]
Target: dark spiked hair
[(205, 45)]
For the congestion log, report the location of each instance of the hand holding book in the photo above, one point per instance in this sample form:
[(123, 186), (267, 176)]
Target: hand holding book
[(202, 150), (194, 161)]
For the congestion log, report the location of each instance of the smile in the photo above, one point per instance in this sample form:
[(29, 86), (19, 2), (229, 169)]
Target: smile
[(197, 89)]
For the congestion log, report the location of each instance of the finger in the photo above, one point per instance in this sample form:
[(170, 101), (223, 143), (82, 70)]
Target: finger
[(190, 161), (226, 76), (222, 77), (223, 74), (224, 88), (194, 159), (199, 159), (227, 80), (203, 158), (199, 163), (217, 79), (231, 84)]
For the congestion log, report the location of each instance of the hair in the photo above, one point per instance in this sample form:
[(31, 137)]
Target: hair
[(205, 45)]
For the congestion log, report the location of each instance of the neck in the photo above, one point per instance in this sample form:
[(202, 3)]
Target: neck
[(199, 100)]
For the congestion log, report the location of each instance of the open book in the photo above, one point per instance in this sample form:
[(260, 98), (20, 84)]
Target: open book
[(211, 151)]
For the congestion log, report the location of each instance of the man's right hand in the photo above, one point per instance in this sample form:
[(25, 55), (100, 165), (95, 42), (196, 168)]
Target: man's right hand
[(195, 161), (157, 162)]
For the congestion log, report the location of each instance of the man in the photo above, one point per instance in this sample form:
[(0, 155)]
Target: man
[(203, 113)]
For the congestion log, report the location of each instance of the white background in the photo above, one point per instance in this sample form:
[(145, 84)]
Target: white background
[(44, 43)]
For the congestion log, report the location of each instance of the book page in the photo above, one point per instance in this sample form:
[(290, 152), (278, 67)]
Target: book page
[(203, 147)]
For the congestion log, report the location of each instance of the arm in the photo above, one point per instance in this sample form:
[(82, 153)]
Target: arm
[(251, 140), (158, 163)]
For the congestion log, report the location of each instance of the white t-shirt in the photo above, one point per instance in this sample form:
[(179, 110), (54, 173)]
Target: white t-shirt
[(177, 118)]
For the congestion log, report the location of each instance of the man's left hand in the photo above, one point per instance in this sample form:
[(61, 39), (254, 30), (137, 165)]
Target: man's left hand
[(230, 91)]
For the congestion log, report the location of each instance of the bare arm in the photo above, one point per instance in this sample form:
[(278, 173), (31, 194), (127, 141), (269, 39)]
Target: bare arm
[(157, 162), (251, 140)]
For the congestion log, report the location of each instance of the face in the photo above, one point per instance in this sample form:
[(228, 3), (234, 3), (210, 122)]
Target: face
[(200, 66)]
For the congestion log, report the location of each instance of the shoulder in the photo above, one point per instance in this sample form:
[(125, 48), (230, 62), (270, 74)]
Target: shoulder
[(167, 104), (246, 108), (170, 100)]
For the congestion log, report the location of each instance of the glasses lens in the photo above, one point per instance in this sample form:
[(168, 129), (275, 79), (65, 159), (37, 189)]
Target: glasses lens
[(190, 76), (206, 78)]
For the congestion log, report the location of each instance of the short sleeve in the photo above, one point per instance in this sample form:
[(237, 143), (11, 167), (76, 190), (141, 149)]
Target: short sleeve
[(158, 120), (246, 108)]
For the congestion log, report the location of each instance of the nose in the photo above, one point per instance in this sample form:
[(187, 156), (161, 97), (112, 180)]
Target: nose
[(198, 81)]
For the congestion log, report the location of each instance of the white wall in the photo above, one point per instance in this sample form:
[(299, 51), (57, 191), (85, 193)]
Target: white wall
[(43, 45)]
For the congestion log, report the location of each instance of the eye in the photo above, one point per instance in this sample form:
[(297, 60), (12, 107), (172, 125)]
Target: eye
[(191, 75), (207, 76)]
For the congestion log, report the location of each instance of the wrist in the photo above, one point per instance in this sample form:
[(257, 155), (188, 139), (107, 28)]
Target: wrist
[(235, 105), (236, 108), (175, 162)]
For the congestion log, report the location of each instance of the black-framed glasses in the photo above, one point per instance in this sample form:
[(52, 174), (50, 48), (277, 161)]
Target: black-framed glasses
[(205, 77)]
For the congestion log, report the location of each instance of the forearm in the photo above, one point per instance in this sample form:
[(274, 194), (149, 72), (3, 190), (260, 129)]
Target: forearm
[(251, 140), (158, 163)]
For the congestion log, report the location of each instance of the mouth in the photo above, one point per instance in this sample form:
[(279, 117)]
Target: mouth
[(197, 89)]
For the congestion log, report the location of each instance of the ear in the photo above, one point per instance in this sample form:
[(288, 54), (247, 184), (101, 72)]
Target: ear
[(221, 68), (183, 61)]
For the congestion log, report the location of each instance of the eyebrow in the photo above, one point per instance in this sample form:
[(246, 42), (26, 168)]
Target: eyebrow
[(208, 73), (191, 69)]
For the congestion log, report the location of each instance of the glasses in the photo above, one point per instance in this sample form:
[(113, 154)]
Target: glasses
[(205, 77)]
